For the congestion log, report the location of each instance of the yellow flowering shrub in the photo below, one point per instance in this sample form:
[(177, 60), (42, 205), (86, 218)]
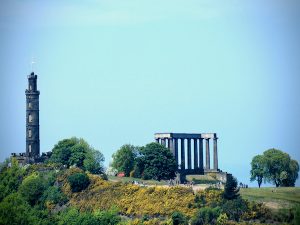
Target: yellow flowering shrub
[(130, 199)]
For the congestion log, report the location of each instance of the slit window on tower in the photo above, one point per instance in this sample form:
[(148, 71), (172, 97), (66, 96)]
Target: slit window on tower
[(29, 148), (30, 105), (30, 118), (30, 87), (29, 133)]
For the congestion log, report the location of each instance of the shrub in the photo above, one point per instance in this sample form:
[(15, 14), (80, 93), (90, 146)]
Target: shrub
[(231, 191), (107, 217), (32, 188), (235, 208), (78, 182), (222, 219), (178, 218), (206, 215), (54, 196)]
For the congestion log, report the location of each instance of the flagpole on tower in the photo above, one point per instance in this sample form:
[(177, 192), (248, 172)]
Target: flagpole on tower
[(32, 62)]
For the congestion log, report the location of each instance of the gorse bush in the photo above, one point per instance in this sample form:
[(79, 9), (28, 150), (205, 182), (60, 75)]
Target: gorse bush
[(78, 181)]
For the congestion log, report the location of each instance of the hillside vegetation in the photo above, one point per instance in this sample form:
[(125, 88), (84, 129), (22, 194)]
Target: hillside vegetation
[(275, 198)]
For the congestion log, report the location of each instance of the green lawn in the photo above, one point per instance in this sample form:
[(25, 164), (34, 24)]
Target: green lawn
[(283, 197)]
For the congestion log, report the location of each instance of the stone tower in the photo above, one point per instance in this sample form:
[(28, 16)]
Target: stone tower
[(32, 119)]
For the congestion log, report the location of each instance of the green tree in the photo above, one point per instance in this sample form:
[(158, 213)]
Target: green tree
[(93, 162), (32, 188), (61, 153), (76, 151), (124, 159), (78, 181), (231, 191), (157, 162), (15, 210), (72, 216), (280, 169), (10, 179), (258, 166)]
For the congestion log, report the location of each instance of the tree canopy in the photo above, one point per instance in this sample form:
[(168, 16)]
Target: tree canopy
[(76, 151), (124, 159), (231, 191), (276, 167), (156, 162), (257, 169)]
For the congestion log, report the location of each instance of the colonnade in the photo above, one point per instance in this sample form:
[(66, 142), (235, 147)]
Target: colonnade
[(193, 142)]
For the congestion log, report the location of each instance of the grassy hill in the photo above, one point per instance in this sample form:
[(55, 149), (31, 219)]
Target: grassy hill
[(275, 198)]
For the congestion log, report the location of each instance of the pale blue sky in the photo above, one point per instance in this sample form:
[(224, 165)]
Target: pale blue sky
[(116, 72)]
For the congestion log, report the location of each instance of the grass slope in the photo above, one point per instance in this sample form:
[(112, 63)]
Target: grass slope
[(276, 198)]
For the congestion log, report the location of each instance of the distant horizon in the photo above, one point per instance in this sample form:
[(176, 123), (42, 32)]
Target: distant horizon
[(118, 72)]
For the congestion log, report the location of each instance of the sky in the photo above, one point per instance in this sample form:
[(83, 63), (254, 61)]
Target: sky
[(116, 72)]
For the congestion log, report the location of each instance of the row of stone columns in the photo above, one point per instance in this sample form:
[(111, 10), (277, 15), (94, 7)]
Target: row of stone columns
[(172, 144)]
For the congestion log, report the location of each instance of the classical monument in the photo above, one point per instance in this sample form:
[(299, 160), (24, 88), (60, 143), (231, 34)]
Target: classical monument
[(32, 153), (189, 153)]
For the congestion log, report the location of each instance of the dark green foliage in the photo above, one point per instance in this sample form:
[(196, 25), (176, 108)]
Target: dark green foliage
[(78, 181), (107, 217), (231, 191), (206, 215), (280, 169), (258, 169), (32, 188), (93, 162), (73, 217), (157, 162), (297, 215), (78, 152), (54, 195), (61, 153), (4, 164), (15, 210), (235, 208), (10, 179), (276, 167), (124, 159), (179, 218)]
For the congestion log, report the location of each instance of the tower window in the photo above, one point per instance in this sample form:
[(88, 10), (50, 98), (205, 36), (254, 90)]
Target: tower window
[(29, 148), (30, 87), (30, 118), (30, 105), (29, 133)]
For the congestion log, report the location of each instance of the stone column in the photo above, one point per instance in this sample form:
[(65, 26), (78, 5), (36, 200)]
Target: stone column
[(207, 155), (215, 154), (195, 154), (201, 153), (170, 144), (163, 142), (189, 153), (182, 167), (175, 147)]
